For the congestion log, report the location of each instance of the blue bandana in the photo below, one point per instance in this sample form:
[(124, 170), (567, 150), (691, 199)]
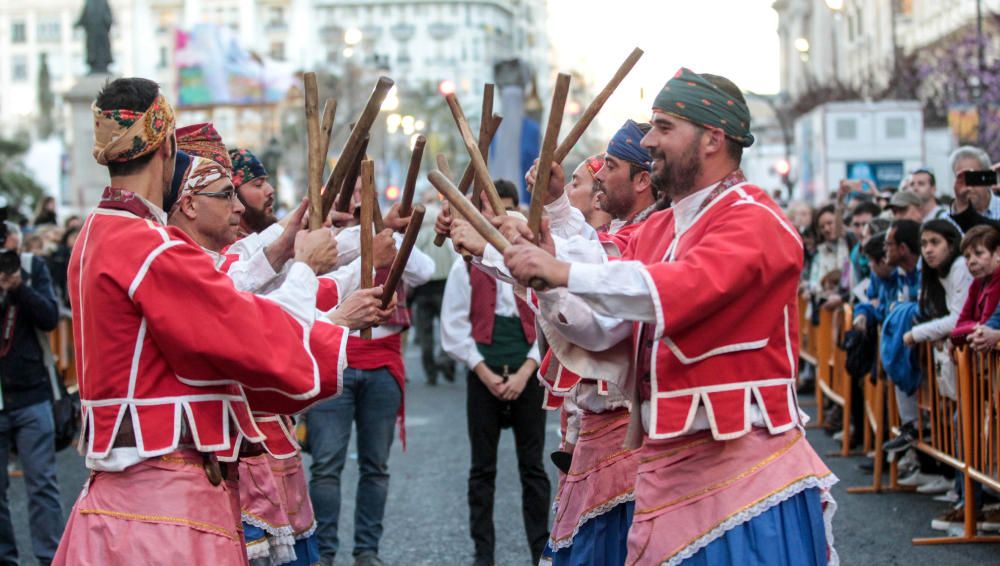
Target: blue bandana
[(181, 167), (625, 145)]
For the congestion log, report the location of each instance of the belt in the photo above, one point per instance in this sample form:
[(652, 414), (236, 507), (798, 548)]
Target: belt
[(215, 470)]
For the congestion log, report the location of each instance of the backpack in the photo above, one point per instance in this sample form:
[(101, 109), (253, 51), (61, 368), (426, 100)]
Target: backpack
[(65, 407)]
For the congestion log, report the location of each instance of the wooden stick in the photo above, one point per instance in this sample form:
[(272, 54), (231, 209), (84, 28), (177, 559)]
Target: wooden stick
[(403, 255), (313, 153), (326, 127), (470, 171), (411, 176), (464, 206), (591, 112), (354, 142), (472, 146), (367, 237), (476, 219), (559, 94), (485, 118), (439, 239), (343, 203), (444, 167)]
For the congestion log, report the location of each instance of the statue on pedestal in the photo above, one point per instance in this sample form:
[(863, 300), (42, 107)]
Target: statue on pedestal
[(96, 23)]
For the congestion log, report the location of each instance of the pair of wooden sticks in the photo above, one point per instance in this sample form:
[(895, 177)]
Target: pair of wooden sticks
[(550, 154), (343, 178)]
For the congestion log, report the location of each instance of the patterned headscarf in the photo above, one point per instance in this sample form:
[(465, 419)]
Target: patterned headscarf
[(246, 167), (692, 97), (202, 140), (625, 145), (199, 175), (123, 135)]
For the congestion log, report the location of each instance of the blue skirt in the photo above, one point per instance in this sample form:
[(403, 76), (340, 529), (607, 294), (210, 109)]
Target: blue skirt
[(306, 549), (601, 541), (791, 533)]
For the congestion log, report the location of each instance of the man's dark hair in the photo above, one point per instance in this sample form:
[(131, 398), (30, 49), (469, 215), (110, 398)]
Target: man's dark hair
[(733, 148), (929, 174), (506, 189), (134, 94), (875, 247), (867, 207), (906, 233)]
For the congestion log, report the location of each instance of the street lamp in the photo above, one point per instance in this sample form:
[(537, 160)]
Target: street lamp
[(353, 36)]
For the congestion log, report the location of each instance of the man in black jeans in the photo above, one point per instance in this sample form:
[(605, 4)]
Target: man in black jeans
[(484, 326), (28, 309)]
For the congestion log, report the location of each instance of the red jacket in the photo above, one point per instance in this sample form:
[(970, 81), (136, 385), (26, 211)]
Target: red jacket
[(164, 337), (727, 330)]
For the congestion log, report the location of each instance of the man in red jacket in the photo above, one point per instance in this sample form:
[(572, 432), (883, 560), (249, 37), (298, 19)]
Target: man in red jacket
[(707, 290), (170, 357)]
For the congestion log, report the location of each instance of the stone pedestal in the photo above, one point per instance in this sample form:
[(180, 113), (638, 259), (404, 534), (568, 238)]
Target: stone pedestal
[(87, 178)]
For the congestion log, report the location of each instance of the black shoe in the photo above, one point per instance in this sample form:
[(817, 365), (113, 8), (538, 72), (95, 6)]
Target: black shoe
[(367, 558), (448, 371), (482, 561), (907, 436)]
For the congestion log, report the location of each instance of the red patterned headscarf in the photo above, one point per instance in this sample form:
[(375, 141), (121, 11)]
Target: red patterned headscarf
[(204, 141)]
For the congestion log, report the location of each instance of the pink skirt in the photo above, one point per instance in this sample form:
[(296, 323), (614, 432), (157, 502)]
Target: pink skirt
[(160, 511), (290, 476), (601, 477), (262, 506), (691, 490)]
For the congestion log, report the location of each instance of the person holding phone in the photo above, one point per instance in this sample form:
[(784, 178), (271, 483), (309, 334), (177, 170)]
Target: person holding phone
[(974, 180)]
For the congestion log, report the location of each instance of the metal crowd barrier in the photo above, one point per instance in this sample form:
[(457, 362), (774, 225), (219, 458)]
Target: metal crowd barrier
[(962, 433)]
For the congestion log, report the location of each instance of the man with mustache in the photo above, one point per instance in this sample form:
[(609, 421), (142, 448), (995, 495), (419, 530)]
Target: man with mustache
[(167, 377), (707, 292)]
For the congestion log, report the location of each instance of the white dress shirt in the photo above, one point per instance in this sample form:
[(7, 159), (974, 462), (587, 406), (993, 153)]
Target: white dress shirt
[(456, 326)]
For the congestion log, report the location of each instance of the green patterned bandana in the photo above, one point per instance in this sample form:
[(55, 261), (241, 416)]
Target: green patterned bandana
[(692, 97)]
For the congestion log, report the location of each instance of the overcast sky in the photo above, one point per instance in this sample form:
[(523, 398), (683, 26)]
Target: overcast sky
[(734, 38)]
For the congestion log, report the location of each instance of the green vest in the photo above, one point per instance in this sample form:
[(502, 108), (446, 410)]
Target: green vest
[(510, 346)]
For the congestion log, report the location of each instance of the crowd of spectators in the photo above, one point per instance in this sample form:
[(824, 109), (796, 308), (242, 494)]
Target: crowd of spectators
[(916, 266), (34, 257)]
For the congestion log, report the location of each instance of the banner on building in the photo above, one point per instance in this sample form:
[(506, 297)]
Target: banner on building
[(213, 69)]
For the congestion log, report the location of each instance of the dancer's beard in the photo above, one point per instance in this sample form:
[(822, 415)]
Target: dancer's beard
[(676, 177)]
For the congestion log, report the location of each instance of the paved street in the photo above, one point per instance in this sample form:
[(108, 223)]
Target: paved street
[(427, 512)]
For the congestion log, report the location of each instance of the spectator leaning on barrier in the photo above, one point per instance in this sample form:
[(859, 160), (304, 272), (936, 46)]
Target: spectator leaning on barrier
[(29, 310), (981, 248), (945, 282)]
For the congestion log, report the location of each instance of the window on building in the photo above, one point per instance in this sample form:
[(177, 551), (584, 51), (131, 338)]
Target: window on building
[(276, 17), (19, 68), (895, 128), (846, 129), (164, 58), (18, 32), (278, 50), (49, 30)]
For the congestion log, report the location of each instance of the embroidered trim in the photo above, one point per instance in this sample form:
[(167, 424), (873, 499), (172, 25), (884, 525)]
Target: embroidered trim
[(756, 509), (306, 533), (264, 525), (164, 519), (599, 463), (592, 514)]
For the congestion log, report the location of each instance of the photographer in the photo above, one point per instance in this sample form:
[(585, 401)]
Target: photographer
[(28, 310)]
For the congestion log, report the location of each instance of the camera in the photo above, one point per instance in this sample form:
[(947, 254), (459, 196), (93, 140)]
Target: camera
[(984, 178), (10, 260)]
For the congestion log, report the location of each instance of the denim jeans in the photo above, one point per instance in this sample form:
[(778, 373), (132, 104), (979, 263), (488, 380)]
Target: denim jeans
[(370, 400), (33, 432)]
